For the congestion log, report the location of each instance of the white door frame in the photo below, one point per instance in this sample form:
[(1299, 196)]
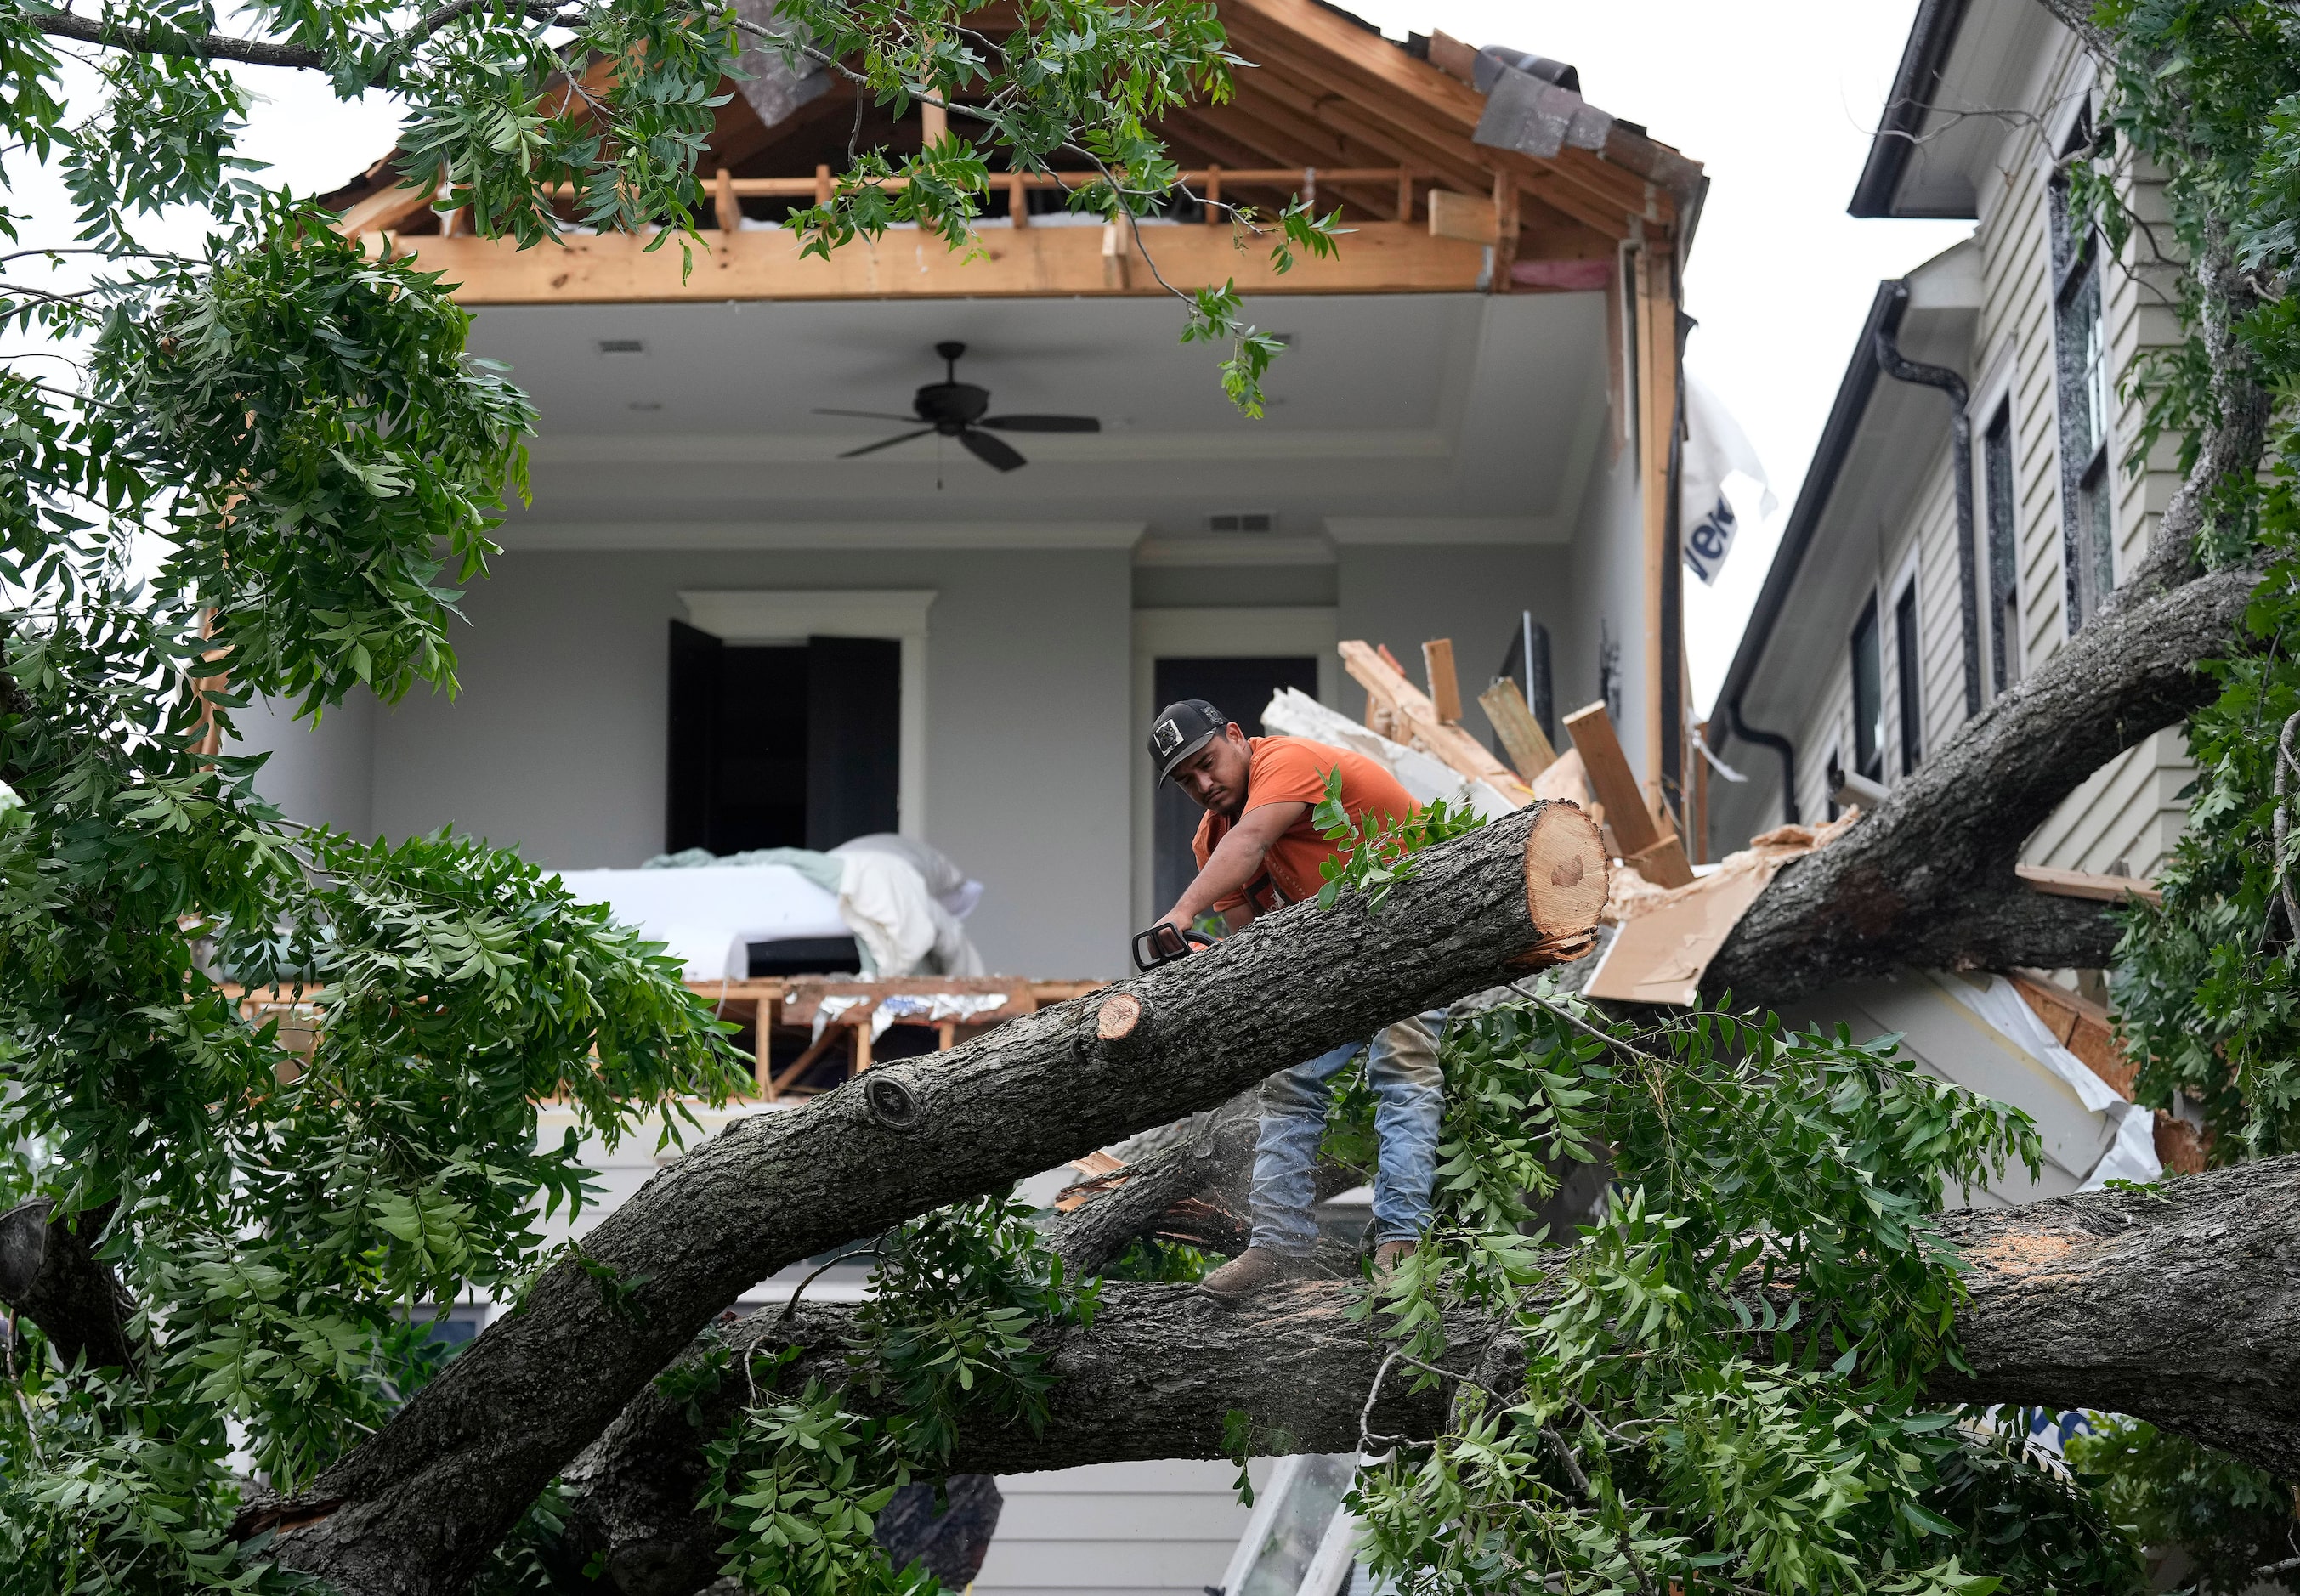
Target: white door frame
[(1213, 634), (793, 615)]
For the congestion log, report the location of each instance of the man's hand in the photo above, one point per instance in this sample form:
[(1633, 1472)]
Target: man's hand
[(1235, 860)]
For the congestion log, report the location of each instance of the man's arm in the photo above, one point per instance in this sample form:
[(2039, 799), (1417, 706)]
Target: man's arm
[(1235, 860)]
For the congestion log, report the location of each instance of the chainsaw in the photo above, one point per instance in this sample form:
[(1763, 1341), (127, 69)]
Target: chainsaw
[(1162, 944)]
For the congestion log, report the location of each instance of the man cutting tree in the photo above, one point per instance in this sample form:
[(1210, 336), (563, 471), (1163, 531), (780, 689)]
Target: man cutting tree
[(1258, 848)]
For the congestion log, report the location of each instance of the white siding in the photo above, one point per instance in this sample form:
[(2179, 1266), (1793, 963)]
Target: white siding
[(1115, 1529), (2128, 814)]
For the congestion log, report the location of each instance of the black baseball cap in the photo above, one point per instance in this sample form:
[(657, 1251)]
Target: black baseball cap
[(1180, 730)]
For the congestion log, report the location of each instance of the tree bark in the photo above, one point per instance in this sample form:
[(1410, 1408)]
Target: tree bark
[(415, 1508), (2179, 1304), (49, 1273), (1927, 880)]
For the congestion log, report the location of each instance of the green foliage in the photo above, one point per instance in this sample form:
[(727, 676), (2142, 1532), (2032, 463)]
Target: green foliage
[(1680, 1416), (945, 1335), (1372, 859), (2231, 1518), (290, 426), (2207, 92)]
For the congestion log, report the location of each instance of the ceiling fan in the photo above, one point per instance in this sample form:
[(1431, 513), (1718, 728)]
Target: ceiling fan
[(954, 410)]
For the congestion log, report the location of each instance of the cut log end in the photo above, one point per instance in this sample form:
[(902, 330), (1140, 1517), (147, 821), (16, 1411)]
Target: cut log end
[(1566, 875), (1118, 1015)]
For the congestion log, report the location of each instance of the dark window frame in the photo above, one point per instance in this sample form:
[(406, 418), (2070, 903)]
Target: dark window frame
[(2084, 404), (1868, 646), (1908, 670), (2004, 639)]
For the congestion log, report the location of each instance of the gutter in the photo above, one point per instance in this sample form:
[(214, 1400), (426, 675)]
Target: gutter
[(1931, 36), (1900, 367), (1852, 396)]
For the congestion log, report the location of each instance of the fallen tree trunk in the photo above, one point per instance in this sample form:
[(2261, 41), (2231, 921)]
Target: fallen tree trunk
[(415, 1508), (1927, 880), (2179, 1305)]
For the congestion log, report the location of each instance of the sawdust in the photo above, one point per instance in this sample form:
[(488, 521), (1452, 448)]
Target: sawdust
[(2026, 1252)]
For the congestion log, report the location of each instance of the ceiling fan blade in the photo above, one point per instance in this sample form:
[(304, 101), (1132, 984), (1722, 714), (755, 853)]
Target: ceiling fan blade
[(886, 442), (991, 451), (1041, 423), (867, 415)]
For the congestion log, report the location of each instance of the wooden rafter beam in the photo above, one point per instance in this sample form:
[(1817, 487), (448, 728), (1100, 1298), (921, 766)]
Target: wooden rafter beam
[(1422, 104)]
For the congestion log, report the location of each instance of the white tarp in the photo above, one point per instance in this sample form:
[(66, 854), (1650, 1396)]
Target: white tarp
[(2132, 1156), (1716, 449)]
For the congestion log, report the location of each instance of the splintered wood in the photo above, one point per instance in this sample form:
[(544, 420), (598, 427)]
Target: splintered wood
[(1527, 745), (1414, 718), (1646, 842)]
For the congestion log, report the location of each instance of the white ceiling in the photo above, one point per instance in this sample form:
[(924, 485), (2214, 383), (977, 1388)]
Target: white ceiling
[(1392, 417)]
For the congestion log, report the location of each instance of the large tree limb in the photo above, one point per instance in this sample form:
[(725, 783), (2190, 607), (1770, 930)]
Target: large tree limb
[(1928, 878), (50, 1274), (415, 1508), (2179, 1305)]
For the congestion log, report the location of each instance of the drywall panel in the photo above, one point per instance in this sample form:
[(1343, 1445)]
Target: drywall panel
[(557, 744)]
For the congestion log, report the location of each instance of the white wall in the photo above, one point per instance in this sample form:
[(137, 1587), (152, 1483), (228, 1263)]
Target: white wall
[(320, 774), (1115, 1529), (1606, 583), (1404, 595), (557, 745)]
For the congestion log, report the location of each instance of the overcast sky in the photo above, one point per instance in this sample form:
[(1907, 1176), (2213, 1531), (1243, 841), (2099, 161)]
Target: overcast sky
[(1776, 98)]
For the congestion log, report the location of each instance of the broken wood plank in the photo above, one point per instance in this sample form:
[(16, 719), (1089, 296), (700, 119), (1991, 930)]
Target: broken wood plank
[(1445, 686), (1462, 216), (1527, 745), (2086, 884), (1645, 841), (1450, 745)]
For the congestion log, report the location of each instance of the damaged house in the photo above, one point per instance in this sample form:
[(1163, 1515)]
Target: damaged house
[(1967, 508), (910, 544)]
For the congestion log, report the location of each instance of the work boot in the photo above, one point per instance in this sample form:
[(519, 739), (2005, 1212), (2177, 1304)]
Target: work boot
[(1387, 1257), (1253, 1270)]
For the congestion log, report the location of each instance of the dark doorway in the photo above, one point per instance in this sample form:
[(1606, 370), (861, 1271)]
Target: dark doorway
[(784, 746), (1240, 689)]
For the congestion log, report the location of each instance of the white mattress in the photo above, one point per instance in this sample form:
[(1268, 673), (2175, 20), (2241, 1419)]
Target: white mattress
[(709, 916)]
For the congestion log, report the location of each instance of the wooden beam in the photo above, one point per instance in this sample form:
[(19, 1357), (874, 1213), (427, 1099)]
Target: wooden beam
[(1414, 715), (1442, 157), (1527, 745), (384, 211), (1657, 419), (1462, 216), (2086, 884), (1445, 686), (1378, 257), (1645, 841), (723, 201)]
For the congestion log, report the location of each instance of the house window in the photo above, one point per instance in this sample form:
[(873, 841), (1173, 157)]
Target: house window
[(2081, 363), (782, 745), (1907, 676), (1868, 696), (2004, 552)]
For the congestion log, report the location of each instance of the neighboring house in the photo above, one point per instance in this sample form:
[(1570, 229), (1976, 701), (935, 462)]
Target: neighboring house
[(1865, 653), (711, 628)]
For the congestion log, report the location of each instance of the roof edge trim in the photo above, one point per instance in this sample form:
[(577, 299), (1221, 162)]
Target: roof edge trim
[(1931, 36), (1837, 436)]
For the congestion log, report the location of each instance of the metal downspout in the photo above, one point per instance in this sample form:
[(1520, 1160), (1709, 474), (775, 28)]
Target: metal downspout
[(1895, 365), (1779, 744)]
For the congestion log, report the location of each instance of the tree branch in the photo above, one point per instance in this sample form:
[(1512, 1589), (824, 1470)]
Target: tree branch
[(1928, 878), (425, 1498), (255, 52), (49, 1273), (2177, 1304)]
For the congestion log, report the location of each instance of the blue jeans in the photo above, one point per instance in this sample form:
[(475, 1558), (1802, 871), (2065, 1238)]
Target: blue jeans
[(1409, 1094)]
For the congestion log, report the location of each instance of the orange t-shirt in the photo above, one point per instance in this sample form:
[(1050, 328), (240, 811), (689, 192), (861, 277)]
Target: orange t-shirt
[(1294, 771)]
